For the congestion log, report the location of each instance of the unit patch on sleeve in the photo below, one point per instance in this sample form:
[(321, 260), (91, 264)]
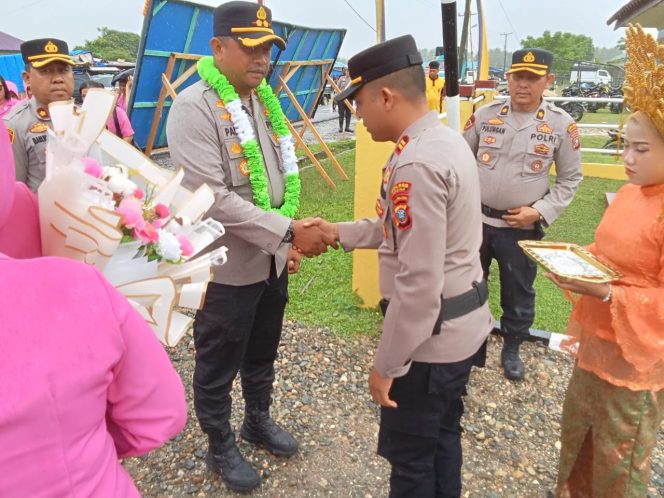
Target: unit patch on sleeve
[(379, 208), (402, 219), (470, 123), (573, 133), (12, 135), (400, 189)]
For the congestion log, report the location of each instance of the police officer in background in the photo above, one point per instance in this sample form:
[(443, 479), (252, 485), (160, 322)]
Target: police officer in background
[(48, 72), (428, 232), (515, 143)]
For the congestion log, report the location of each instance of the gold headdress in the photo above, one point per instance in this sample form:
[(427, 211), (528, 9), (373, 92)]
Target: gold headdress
[(644, 75)]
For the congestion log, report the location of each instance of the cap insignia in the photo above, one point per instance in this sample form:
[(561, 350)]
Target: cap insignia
[(529, 57), (51, 48), (261, 16)]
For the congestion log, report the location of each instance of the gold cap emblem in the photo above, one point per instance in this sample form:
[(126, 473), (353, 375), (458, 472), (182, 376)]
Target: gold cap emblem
[(261, 15), (529, 57), (50, 48)]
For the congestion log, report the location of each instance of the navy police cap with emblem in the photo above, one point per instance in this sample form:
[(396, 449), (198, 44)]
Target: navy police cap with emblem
[(380, 60), (533, 60), (248, 22), (44, 51)]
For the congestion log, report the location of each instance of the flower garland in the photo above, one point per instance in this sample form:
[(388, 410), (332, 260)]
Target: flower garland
[(252, 152)]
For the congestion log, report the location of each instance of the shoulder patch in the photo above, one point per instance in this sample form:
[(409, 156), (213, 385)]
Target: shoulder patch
[(573, 132), (400, 188), (470, 123), (505, 110), (11, 134), (402, 219), (540, 115)]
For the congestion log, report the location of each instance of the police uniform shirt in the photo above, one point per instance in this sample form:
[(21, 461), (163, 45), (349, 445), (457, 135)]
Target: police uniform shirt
[(28, 123), (203, 140), (428, 233), (514, 157)]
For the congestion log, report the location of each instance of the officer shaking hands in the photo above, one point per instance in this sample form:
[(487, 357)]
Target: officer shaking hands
[(515, 143), (48, 72)]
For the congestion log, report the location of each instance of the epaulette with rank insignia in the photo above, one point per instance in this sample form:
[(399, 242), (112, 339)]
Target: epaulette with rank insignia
[(402, 144)]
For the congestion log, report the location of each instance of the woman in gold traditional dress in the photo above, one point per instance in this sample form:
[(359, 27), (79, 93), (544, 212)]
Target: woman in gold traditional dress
[(615, 400)]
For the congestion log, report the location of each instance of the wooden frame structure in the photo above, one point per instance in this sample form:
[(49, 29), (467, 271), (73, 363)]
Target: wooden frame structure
[(170, 89)]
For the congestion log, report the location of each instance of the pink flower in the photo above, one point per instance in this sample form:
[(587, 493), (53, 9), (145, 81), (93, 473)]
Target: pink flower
[(185, 246), (162, 211), (138, 193), (92, 167), (131, 211), (157, 223), (146, 233)]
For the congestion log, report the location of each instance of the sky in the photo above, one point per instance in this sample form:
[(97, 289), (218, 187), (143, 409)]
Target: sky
[(77, 20)]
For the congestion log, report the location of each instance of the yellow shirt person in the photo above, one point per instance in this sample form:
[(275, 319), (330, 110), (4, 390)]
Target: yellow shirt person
[(435, 87)]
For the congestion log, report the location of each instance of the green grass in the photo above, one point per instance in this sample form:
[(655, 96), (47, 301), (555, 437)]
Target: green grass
[(597, 142), (602, 116), (320, 293)]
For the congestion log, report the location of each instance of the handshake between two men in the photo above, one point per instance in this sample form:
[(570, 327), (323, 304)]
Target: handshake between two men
[(312, 236)]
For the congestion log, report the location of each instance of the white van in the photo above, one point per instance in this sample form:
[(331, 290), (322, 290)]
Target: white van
[(589, 74)]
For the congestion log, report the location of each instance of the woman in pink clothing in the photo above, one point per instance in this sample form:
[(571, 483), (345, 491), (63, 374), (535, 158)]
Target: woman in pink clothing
[(7, 98), (84, 380)]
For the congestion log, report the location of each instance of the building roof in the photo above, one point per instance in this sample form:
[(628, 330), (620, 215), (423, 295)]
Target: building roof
[(648, 13), (9, 43)]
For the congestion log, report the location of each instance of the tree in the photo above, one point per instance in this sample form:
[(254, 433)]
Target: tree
[(113, 45), (567, 49)]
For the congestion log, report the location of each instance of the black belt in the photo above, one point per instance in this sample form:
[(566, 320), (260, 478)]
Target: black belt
[(493, 213), (454, 307)]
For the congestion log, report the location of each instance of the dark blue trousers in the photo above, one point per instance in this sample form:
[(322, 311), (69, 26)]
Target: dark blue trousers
[(238, 330), (517, 273)]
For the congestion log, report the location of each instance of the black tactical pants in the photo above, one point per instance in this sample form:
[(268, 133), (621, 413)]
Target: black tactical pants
[(517, 274), (238, 329), (421, 438), (344, 114)]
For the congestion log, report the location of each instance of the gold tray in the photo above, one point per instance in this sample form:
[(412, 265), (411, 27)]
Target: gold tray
[(569, 261)]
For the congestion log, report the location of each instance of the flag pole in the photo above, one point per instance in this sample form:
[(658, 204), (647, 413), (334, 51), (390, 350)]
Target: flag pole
[(450, 50)]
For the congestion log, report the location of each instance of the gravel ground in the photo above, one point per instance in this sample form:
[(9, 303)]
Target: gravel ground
[(511, 434), (510, 442)]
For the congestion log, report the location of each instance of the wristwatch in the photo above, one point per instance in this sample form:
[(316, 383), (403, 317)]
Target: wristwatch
[(290, 234)]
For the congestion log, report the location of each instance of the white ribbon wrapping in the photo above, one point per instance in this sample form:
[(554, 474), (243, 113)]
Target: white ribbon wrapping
[(78, 219)]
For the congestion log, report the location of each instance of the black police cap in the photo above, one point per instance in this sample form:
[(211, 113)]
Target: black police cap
[(248, 22), (44, 51), (533, 60), (380, 60)]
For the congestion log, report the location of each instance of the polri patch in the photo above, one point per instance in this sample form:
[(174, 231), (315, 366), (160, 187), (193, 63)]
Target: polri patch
[(38, 127), (402, 219), (400, 188)]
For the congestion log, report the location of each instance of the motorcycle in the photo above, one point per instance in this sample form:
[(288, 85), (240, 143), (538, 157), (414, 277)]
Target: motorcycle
[(616, 107), (614, 135)]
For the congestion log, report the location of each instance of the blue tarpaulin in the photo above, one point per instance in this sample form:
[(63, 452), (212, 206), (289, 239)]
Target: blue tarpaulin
[(185, 27), (11, 67)]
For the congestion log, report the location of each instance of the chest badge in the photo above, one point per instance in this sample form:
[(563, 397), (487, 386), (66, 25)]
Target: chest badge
[(541, 149), (489, 140), (537, 166), (545, 128), (244, 168), (485, 158), (38, 127), (236, 148), (220, 103), (496, 121)]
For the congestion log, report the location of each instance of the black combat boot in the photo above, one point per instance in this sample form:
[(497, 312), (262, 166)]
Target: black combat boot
[(224, 458), (509, 359), (259, 428)]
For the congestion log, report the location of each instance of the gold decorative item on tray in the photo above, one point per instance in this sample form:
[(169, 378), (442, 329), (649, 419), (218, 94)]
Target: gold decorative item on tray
[(569, 261)]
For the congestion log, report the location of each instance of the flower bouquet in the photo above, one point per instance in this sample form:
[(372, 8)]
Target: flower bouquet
[(105, 203)]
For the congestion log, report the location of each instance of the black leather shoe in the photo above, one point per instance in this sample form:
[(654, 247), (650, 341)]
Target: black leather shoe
[(511, 362), (348, 129), (259, 428), (341, 130), (224, 458)]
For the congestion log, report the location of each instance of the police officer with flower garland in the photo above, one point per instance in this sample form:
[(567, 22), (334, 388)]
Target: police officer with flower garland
[(515, 143), (428, 232), (227, 131), (48, 71)]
